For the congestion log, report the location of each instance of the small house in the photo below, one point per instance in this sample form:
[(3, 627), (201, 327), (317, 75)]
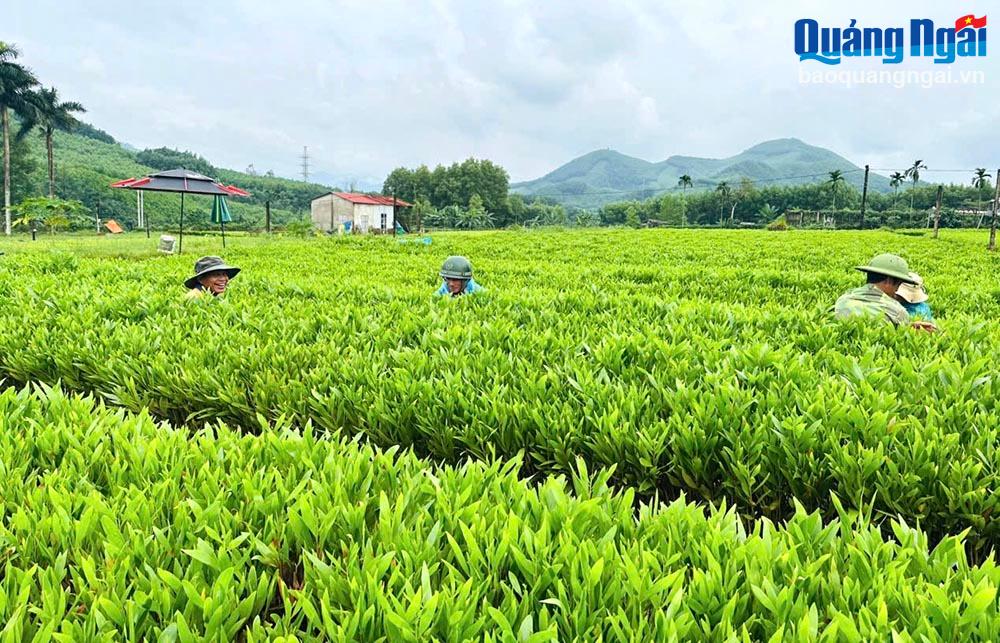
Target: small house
[(341, 212)]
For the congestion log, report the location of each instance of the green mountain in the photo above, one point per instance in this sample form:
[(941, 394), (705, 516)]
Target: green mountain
[(88, 160), (605, 176)]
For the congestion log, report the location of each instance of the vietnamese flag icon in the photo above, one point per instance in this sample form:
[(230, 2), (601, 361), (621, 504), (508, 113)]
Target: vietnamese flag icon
[(970, 21)]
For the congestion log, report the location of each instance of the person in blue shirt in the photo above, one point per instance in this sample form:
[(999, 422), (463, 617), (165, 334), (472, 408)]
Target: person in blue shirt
[(914, 297), (457, 275)]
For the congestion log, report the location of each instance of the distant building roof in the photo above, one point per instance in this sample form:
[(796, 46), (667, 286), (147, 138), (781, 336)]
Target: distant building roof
[(366, 199)]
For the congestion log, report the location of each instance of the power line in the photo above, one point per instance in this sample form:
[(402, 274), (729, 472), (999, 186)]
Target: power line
[(895, 169)]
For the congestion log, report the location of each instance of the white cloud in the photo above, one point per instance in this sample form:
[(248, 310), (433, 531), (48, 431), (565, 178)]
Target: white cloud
[(648, 117), (91, 63)]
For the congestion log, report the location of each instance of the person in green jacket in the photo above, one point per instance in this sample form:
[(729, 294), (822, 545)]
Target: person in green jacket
[(877, 298)]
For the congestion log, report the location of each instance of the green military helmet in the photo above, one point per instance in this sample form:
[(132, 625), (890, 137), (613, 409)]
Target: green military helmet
[(456, 268), (889, 265)]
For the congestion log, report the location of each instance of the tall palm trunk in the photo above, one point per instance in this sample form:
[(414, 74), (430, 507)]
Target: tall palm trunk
[(52, 162), (5, 119)]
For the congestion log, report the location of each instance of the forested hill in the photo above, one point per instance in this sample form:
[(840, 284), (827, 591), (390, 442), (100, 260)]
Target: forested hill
[(605, 176), (88, 160)]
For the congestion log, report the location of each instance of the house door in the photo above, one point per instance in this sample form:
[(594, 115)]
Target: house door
[(383, 221)]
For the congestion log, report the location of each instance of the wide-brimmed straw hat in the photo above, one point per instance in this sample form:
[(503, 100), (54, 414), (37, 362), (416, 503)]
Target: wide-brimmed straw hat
[(888, 265), (913, 293), (206, 265)]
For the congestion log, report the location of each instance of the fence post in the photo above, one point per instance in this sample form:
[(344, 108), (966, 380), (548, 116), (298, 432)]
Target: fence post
[(993, 224), (864, 199), (937, 211)]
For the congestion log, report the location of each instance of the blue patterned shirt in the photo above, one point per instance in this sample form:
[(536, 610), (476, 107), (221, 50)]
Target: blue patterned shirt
[(471, 287)]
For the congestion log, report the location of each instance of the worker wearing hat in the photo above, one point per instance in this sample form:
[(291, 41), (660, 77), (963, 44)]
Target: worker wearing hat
[(211, 277), (877, 298), (457, 275), (914, 297)]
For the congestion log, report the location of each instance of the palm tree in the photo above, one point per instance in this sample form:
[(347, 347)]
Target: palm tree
[(16, 83), (768, 213), (50, 115), (981, 180), (895, 180), (835, 181), (914, 173), (684, 182), (724, 191)]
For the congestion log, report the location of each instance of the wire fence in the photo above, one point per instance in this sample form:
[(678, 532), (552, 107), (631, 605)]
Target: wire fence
[(852, 219)]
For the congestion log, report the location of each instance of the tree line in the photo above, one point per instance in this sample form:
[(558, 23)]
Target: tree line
[(473, 194), (745, 202), (451, 197)]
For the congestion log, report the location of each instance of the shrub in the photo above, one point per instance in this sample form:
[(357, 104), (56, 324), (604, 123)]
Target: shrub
[(781, 223)]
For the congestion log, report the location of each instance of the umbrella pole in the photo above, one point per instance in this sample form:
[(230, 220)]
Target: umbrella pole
[(222, 224), (180, 245), (145, 220)]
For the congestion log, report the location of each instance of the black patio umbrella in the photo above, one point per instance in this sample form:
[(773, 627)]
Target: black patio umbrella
[(184, 182)]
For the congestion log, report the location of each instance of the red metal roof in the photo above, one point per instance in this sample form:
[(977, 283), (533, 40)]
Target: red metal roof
[(365, 199)]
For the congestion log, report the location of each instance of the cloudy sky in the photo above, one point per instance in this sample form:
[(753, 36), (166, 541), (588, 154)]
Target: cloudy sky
[(371, 85)]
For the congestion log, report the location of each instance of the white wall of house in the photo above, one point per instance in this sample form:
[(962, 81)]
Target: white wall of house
[(370, 217)]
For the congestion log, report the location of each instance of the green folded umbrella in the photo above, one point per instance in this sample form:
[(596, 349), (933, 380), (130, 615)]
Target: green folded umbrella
[(220, 215)]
